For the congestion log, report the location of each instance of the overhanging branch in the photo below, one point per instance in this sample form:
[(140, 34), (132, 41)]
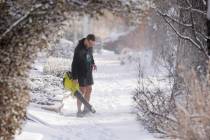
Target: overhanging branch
[(183, 36), (174, 20), (20, 20)]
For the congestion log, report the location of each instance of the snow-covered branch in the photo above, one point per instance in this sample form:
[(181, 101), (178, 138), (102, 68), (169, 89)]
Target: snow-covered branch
[(173, 19), (20, 20), (193, 10), (203, 35), (183, 36)]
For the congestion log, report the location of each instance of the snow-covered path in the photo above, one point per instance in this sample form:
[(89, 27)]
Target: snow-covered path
[(112, 98)]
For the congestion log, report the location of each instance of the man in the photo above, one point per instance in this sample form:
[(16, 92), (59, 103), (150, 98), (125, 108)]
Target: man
[(82, 66)]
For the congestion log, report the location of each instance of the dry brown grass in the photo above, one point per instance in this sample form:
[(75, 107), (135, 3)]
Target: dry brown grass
[(193, 112)]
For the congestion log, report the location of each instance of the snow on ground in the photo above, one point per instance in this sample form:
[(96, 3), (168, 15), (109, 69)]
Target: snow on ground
[(112, 97)]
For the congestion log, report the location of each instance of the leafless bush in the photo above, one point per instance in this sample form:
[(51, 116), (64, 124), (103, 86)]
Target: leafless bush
[(155, 102)]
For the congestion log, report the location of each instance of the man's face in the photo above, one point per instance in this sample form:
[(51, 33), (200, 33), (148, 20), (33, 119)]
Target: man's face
[(91, 43)]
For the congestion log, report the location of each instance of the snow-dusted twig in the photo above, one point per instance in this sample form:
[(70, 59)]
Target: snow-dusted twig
[(194, 10), (174, 20), (203, 35), (163, 116), (194, 30), (199, 11), (20, 20)]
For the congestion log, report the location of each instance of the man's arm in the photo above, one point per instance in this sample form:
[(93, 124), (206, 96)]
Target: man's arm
[(93, 61), (91, 51)]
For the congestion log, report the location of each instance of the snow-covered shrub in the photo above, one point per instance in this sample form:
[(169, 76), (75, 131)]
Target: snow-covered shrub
[(64, 48), (183, 116), (128, 56), (154, 102), (46, 81), (57, 66), (45, 89), (27, 26)]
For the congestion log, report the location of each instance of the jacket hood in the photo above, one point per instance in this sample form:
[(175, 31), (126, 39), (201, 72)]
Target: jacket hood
[(81, 42)]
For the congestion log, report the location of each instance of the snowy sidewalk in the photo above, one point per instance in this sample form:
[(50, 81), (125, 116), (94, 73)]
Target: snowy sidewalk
[(112, 98)]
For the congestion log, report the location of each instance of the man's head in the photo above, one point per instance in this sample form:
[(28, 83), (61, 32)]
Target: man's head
[(90, 40)]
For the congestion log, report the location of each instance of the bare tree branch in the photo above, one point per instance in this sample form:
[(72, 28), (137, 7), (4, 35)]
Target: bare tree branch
[(183, 36), (203, 35), (194, 10), (174, 20)]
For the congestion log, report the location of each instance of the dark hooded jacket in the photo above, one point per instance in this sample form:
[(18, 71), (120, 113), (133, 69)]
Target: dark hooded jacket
[(82, 60)]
